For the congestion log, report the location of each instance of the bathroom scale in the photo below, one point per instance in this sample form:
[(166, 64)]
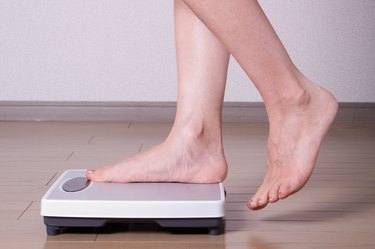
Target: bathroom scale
[(74, 201)]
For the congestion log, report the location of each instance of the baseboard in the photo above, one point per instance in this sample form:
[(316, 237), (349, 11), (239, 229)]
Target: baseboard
[(152, 111)]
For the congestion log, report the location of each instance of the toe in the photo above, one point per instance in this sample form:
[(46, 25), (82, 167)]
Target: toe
[(90, 174), (97, 175), (251, 204), (263, 200), (259, 200), (273, 195), (254, 202), (284, 191), (256, 205)]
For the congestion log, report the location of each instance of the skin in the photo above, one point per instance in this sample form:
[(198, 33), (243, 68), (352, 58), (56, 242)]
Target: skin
[(193, 151), (300, 112)]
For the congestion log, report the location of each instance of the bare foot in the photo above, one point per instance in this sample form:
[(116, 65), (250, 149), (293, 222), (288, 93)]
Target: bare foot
[(296, 132), (183, 157)]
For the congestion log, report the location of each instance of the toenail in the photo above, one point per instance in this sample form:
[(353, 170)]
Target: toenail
[(91, 171), (259, 202)]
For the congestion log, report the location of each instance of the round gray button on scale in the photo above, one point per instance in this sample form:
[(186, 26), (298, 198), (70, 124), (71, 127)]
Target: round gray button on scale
[(75, 184)]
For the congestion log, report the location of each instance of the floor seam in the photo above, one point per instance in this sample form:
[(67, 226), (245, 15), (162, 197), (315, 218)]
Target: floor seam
[(51, 178), (91, 138), (24, 211), (70, 156)]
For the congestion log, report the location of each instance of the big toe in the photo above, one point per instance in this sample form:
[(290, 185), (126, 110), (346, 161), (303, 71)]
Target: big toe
[(96, 175), (258, 201)]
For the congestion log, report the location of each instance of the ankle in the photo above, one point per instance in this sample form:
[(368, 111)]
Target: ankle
[(193, 130), (206, 132), (297, 100)]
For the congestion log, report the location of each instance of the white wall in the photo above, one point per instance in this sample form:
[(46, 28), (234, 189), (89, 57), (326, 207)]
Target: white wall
[(117, 50)]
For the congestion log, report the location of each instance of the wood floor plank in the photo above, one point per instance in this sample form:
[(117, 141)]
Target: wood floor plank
[(22, 193), (159, 237), (24, 177), (342, 238), (299, 216), (22, 244), (104, 156), (69, 244), (32, 212), (27, 156), (12, 210), (140, 245), (17, 230), (297, 226)]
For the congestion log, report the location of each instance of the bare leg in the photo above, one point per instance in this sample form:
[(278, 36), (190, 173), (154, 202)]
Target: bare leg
[(300, 112), (193, 151)]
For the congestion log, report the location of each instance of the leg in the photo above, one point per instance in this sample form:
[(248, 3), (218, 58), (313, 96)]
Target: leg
[(299, 111), (193, 151)]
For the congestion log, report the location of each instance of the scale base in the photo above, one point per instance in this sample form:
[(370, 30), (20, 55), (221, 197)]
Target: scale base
[(74, 202), (55, 225)]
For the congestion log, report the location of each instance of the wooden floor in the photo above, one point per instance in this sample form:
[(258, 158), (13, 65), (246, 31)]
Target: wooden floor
[(336, 209)]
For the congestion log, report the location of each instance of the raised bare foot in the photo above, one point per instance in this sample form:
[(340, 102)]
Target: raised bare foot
[(185, 156), (296, 132)]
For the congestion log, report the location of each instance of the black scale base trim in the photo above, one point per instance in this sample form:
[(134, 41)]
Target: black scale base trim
[(55, 225)]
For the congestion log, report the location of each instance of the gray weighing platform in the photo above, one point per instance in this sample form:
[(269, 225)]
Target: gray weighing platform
[(73, 201)]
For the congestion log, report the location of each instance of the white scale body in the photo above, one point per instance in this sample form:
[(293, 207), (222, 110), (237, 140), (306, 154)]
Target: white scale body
[(168, 204)]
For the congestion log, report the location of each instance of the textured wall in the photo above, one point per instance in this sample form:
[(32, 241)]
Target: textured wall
[(116, 50)]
